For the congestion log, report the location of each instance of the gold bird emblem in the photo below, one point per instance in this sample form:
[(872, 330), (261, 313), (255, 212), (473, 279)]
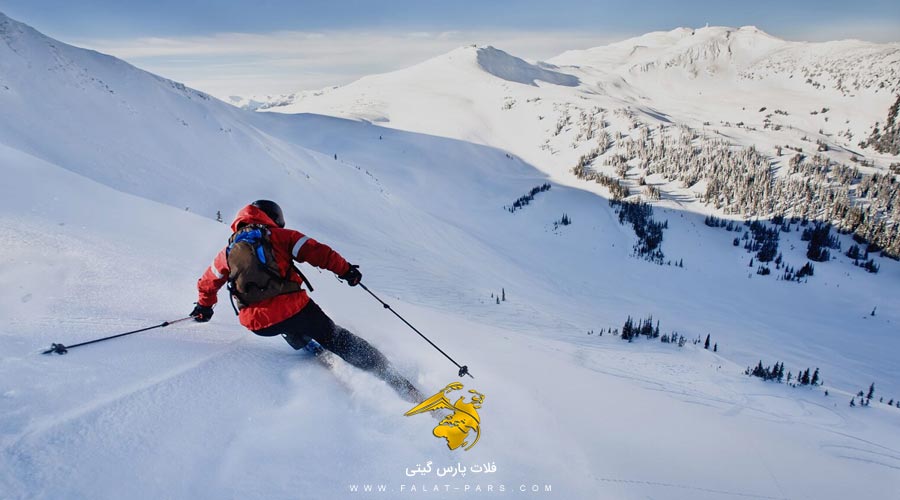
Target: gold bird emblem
[(454, 428)]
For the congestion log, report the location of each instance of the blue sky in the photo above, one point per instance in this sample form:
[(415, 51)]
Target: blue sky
[(116, 18), (274, 46)]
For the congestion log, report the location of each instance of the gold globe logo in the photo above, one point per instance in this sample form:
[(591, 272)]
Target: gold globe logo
[(456, 427)]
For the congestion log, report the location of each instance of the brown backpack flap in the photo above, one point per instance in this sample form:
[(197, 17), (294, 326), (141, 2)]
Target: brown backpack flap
[(254, 275)]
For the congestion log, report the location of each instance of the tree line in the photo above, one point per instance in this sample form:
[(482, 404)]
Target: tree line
[(743, 181)]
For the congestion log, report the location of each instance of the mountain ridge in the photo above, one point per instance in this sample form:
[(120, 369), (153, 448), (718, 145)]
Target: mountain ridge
[(684, 48)]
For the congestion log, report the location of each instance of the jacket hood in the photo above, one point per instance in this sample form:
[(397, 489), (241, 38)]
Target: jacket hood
[(251, 215)]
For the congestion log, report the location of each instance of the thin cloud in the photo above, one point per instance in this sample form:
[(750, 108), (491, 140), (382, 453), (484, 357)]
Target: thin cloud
[(879, 31), (251, 64), (288, 61)]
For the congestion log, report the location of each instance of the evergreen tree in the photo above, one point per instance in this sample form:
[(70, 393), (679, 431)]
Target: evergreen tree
[(871, 266), (852, 401), (805, 379), (815, 377), (716, 347), (871, 391), (647, 327), (759, 371), (627, 329), (706, 344)]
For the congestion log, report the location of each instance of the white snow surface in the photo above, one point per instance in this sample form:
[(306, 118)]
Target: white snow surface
[(112, 178)]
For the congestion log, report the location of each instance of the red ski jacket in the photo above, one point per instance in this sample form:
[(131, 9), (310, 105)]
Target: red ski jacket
[(287, 245)]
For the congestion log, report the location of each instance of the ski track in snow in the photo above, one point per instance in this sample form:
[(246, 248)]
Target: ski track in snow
[(42, 426), (893, 463), (687, 487), (116, 414)]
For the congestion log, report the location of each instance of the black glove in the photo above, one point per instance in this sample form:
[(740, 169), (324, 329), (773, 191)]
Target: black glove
[(352, 276), (202, 314)]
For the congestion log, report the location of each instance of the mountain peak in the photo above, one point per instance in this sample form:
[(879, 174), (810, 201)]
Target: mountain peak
[(505, 66), (481, 59), (706, 50), (752, 29), (728, 30)]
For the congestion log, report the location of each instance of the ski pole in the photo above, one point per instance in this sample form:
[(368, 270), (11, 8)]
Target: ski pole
[(463, 369), (62, 349)]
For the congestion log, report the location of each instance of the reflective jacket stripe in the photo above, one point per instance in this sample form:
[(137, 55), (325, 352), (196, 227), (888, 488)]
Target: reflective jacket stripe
[(215, 271), (299, 244)]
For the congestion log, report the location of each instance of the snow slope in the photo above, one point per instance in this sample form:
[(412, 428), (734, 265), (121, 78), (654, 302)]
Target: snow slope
[(95, 185)]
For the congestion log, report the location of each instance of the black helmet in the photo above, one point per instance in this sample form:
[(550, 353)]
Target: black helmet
[(272, 210)]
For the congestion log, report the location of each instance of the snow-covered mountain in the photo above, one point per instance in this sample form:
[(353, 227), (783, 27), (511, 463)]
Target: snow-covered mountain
[(112, 180), (662, 69), (748, 53), (648, 102)]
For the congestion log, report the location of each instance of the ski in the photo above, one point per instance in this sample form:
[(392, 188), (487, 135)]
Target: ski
[(404, 388)]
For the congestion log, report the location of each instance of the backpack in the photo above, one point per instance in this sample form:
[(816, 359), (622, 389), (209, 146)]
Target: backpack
[(254, 275)]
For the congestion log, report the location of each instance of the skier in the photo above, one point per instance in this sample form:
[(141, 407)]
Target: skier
[(262, 251)]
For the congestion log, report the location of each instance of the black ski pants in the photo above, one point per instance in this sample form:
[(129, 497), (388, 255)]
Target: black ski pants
[(312, 323)]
